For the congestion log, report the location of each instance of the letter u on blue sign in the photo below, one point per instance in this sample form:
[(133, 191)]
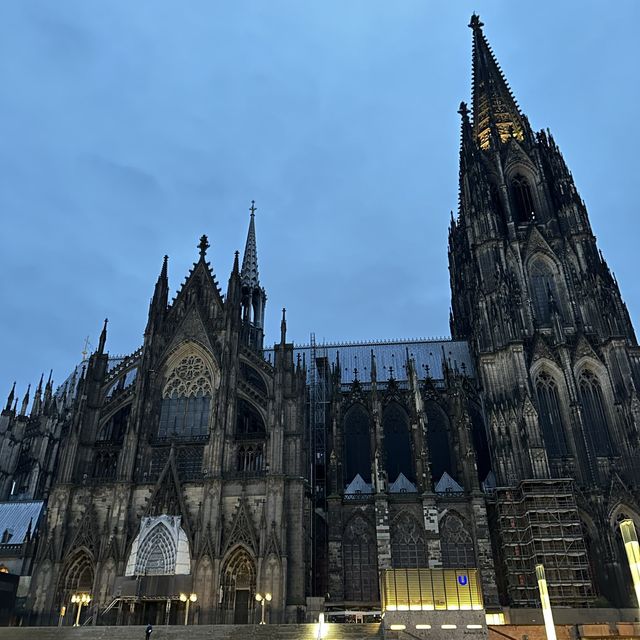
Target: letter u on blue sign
[(462, 580)]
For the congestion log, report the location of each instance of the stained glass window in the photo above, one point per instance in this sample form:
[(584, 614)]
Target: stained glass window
[(360, 561), (595, 420), (408, 548), (186, 399), (550, 415)]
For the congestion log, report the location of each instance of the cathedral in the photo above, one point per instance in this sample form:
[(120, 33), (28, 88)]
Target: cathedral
[(210, 470)]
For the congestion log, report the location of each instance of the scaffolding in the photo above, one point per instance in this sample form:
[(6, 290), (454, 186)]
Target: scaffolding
[(318, 399), (538, 523)]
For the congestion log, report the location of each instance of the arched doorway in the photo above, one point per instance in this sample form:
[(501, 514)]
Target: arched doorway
[(77, 578), (238, 586)]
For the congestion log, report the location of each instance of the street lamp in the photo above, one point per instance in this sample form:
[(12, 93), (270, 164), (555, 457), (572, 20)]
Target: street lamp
[(80, 599), (263, 599), (546, 603), (188, 599), (630, 538)]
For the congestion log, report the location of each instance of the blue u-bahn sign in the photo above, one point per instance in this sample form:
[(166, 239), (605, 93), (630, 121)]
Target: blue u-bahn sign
[(462, 581)]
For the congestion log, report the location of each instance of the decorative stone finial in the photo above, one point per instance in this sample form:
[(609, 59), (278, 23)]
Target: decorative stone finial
[(103, 337), (476, 23), (203, 246)]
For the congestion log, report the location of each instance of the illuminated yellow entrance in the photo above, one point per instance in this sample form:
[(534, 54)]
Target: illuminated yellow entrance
[(430, 590)]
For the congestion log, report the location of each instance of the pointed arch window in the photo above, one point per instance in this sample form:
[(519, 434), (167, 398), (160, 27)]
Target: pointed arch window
[(408, 547), (524, 209), (357, 444), (360, 561), (397, 442), (250, 435), (550, 415), (157, 556), (114, 428), (438, 440), (594, 415), (186, 399), (249, 423), (456, 543), (250, 457), (544, 291)]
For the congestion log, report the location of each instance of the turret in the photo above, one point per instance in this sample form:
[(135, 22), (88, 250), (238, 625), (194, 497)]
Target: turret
[(37, 399), (233, 300), (283, 328), (48, 394), (158, 304), (12, 395), (25, 402)]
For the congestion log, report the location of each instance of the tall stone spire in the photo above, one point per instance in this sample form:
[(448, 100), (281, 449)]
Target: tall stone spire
[(254, 297), (249, 274), (494, 107)]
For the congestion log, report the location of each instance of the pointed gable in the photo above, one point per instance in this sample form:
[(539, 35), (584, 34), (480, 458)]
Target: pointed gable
[(86, 535), (541, 350), (536, 243), (191, 328), (583, 349), (242, 530), (402, 485), (273, 547), (200, 288), (447, 484), (514, 155), (167, 498), (358, 485)]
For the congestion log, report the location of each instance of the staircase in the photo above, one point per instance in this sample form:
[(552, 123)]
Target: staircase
[(199, 632)]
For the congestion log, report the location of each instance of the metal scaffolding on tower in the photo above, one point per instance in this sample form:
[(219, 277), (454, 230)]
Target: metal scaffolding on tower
[(539, 523), (319, 397)]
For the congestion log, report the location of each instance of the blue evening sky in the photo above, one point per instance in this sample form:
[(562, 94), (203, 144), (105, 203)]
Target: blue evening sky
[(128, 129)]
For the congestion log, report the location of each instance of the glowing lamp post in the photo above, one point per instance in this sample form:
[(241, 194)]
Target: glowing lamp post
[(630, 538), (81, 599), (188, 599), (263, 599), (546, 603)]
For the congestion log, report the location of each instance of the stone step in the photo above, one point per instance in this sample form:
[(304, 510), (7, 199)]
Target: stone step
[(197, 632)]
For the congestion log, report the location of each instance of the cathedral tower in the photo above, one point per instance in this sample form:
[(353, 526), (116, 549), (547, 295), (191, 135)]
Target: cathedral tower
[(555, 351)]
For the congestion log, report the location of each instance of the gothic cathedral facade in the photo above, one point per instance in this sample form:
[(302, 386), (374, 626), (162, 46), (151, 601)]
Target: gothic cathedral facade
[(206, 463), (181, 468)]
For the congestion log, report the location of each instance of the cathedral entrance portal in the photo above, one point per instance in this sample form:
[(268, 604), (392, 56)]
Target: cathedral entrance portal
[(241, 609), (238, 588)]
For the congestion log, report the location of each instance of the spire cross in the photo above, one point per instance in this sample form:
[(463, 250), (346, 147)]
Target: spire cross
[(85, 349), (253, 207)]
